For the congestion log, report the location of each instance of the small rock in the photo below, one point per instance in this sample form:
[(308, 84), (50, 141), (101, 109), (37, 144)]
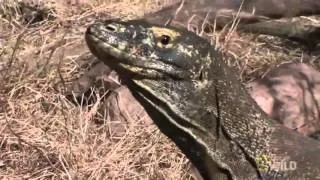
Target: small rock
[(290, 94)]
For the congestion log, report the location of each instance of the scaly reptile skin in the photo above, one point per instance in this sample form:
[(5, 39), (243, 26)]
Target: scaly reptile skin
[(197, 101)]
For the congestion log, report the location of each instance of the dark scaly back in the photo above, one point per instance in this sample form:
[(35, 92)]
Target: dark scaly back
[(196, 100)]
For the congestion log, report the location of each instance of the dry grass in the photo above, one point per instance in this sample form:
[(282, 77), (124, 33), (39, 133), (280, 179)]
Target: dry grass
[(43, 136)]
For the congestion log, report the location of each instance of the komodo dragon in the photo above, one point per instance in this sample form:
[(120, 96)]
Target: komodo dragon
[(225, 170), (197, 101), (191, 16)]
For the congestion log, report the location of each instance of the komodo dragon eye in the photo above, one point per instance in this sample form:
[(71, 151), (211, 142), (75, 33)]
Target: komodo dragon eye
[(164, 39)]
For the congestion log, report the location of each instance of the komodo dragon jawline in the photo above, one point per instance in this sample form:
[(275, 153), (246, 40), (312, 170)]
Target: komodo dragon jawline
[(197, 101)]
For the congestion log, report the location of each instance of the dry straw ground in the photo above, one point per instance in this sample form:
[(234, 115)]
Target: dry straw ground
[(43, 136)]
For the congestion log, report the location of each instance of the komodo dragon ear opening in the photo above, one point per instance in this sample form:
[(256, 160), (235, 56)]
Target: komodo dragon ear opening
[(201, 75)]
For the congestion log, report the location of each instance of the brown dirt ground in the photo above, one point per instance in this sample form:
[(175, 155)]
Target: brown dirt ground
[(44, 136)]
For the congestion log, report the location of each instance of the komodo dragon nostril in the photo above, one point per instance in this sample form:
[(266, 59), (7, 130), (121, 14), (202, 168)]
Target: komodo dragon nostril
[(111, 28)]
